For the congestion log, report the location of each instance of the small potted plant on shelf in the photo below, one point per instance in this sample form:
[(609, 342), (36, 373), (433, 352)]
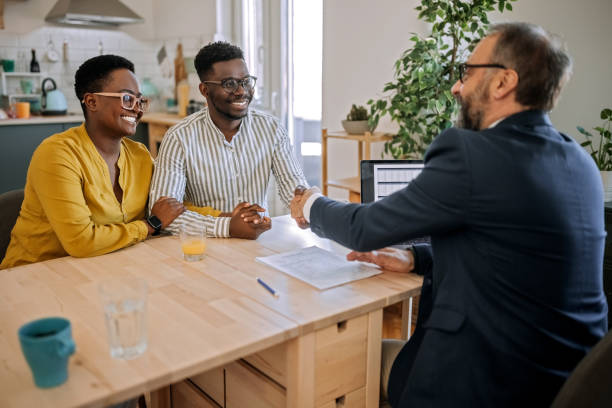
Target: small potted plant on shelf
[(356, 121), (602, 154)]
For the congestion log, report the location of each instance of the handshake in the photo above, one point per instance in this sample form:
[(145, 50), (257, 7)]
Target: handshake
[(300, 196)]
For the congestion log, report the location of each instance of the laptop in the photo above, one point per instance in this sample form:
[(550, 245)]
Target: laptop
[(381, 178)]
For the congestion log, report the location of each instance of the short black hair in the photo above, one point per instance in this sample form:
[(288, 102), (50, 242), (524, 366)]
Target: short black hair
[(538, 57), (215, 52), (93, 74)]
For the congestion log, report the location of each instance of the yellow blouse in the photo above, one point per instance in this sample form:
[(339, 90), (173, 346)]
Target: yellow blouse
[(70, 207)]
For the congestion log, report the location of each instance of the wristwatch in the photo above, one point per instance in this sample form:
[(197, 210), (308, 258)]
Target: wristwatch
[(155, 223)]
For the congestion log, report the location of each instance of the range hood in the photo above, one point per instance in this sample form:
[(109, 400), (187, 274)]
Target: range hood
[(95, 13)]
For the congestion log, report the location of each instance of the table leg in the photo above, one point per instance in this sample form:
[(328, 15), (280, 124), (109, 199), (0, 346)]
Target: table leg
[(375, 323), (406, 318), (301, 372), (161, 398)]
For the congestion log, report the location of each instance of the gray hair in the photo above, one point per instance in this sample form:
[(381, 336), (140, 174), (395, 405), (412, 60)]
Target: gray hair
[(539, 58)]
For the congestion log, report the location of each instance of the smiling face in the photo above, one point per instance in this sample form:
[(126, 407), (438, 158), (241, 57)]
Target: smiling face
[(110, 113), (221, 103)]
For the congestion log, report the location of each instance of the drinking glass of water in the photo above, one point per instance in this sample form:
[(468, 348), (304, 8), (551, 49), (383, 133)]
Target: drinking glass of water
[(193, 242), (125, 309)]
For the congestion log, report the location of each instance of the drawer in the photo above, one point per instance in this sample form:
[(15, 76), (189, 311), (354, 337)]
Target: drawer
[(247, 387), (355, 399), (340, 359), (213, 384), (272, 362), (186, 395)]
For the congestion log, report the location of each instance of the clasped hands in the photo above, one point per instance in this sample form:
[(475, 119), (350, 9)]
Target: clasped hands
[(246, 222), (300, 196)]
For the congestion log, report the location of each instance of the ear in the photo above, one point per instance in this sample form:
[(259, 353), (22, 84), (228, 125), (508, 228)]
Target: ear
[(90, 102), (505, 83), (203, 89)]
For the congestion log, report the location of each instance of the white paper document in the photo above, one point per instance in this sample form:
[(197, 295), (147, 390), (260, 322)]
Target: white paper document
[(318, 267)]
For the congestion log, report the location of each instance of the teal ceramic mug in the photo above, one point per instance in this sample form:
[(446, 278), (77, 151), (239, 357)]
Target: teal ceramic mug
[(47, 344), (8, 65)]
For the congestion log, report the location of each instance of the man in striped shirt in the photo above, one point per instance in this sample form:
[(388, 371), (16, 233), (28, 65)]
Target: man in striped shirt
[(223, 155)]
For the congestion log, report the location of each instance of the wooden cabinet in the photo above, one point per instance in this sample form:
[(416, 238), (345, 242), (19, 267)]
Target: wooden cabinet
[(158, 124), (364, 141), (341, 354), (187, 395)]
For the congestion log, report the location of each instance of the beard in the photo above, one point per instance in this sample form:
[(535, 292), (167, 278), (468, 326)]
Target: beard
[(472, 112), (222, 105)]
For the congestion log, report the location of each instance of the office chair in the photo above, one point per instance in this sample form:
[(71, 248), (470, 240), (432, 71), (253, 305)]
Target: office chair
[(10, 204), (590, 385)]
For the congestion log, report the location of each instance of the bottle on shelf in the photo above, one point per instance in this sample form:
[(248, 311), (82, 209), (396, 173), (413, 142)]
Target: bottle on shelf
[(34, 66), (22, 63)]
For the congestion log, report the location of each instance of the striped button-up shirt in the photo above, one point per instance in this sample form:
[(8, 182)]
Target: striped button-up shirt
[(196, 163)]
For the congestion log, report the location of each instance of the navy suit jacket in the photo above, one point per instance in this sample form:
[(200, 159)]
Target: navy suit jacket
[(516, 219)]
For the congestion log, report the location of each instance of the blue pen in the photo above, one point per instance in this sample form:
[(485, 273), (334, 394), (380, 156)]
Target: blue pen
[(268, 288)]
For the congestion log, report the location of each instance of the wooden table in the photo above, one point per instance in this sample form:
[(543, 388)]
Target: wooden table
[(201, 315)]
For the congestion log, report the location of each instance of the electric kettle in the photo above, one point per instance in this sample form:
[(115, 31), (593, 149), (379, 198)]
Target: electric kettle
[(53, 100)]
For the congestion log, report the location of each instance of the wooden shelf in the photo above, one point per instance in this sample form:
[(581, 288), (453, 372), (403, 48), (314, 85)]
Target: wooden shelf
[(366, 137), (364, 141), (349, 183)]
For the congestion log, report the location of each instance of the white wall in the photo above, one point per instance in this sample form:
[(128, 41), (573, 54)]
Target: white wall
[(585, 27), (363, 38), (361, 41)]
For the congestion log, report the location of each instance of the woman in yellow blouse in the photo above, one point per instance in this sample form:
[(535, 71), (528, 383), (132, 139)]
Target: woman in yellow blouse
[(87, 187)]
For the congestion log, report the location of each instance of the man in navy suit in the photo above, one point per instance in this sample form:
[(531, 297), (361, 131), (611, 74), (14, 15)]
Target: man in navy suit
[(515, 213)]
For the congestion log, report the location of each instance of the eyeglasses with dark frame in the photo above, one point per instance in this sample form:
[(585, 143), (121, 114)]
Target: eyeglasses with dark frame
[(464, 67), (128, 101), (231, 85)]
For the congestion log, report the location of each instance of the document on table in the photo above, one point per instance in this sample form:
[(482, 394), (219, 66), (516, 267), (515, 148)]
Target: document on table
[(318, 267)]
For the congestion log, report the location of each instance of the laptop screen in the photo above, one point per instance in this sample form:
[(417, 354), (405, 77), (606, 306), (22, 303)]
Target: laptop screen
[(380, 178)]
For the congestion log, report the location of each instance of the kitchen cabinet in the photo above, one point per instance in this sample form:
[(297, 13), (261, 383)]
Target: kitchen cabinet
[(20, 140)]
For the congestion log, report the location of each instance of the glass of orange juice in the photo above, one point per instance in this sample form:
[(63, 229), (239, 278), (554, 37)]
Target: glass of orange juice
[(193, 242)]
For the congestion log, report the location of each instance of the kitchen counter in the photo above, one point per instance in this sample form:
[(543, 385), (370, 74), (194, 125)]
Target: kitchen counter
[(161, 118), (158, 124), (37, 120)]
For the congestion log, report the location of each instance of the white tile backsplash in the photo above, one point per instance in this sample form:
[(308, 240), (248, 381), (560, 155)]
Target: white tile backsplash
[(84, 44)]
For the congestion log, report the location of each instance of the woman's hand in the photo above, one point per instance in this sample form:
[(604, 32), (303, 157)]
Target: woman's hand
[(389, 259), (167, 209)]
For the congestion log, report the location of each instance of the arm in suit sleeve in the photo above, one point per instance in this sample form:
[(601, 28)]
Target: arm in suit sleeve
[(436, 202), (423, 259)]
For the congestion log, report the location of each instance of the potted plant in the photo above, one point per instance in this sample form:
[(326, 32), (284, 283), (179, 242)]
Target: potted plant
[(356, 121), (419, 98), (602, 154)]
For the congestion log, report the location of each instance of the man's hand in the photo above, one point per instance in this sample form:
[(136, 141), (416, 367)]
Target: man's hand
[(250, 214), (301, 194), (389, 259), (167, 209), (247, 223)]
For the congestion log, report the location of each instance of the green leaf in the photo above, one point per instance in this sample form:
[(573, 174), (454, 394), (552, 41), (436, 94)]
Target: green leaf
[(508, 6)]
